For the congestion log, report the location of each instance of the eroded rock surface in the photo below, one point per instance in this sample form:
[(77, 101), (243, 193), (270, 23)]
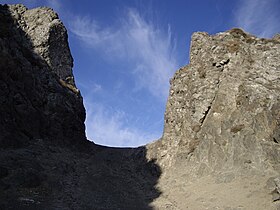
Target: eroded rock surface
[(223, 113), (45, 160), (221, 143), (39, 99)]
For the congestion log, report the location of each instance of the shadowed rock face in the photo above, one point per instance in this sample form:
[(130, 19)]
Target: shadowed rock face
[(39, 99), (45, 160), (221, 143)]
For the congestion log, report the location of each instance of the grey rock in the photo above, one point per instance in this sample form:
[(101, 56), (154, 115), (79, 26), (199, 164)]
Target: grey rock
[(222, 112), (277, 184), (225, 178), (275, 196), (46, 160), (221, 127), (39, 101), (222, 117), (276, 191)]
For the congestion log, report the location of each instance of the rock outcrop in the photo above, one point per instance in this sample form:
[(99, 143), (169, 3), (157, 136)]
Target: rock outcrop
[(223, 113), (39, 99), (45, 160), (221, 143)]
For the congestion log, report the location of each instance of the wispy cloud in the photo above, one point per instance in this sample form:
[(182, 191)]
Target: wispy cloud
[(148, 54), (259, 17), (147, 49), (96, 88), (89, 31), (108, 127)]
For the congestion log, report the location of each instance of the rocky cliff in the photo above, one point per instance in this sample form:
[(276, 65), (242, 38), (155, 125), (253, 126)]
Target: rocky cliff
[(223, 113), (223, 108), (45, 160), (39, 99), (221, 143)]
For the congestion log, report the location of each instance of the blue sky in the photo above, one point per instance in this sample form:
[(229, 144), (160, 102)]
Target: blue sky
[(125, 52)]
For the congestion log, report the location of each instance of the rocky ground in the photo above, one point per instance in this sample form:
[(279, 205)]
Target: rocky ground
[(46, 176), (231, 193)]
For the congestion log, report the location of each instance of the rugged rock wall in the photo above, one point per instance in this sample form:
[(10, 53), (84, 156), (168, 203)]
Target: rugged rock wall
[(223, 111), (39, 99), (222, 120), (221, 143), (45, 160)]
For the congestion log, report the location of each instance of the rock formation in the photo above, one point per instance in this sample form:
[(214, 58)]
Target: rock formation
[(221, 143), (45, 160), (223, 113), (39, 99)]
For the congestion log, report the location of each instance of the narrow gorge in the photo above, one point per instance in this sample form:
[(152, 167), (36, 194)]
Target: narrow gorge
[(220, 148)]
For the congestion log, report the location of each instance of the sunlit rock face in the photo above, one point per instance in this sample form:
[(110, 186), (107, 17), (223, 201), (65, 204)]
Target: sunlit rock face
[(222, 117), (39, 99), (223, 111)]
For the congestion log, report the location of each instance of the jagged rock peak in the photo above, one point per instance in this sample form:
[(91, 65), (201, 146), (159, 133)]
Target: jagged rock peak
[(48, 36), (38, 93), (222, 125), (45, 160), (223, 108)]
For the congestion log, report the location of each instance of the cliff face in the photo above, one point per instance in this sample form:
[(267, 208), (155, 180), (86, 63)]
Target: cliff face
[(223, 112), (45, 160), (223, 108), (39, 99), (221, 143)]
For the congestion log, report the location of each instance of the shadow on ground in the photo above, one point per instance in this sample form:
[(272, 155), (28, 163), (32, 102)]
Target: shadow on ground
[(45, 176), (39, 167)]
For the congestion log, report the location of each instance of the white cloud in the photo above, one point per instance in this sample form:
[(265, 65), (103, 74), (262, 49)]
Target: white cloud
[(149, 54), (89, 31), (107, 127), (96, 88), (150, 50), (259, 17)]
